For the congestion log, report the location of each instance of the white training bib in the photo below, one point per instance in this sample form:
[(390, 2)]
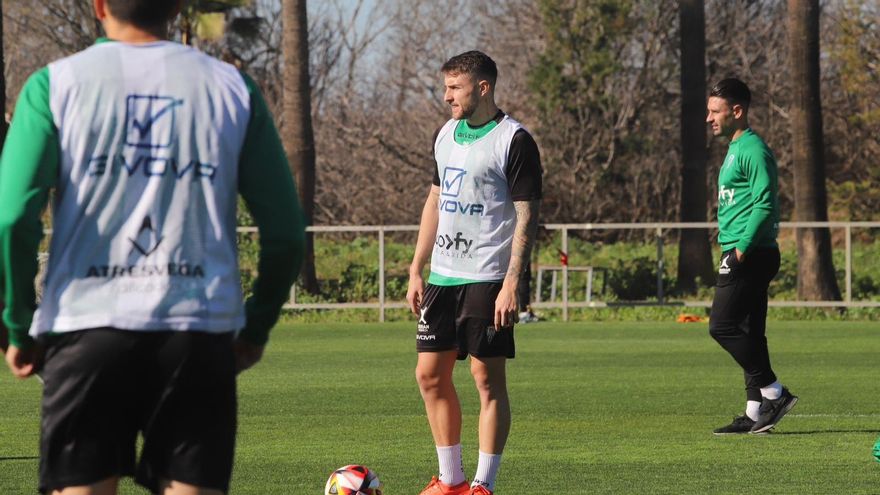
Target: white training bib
[(144, 215), (477, 217)]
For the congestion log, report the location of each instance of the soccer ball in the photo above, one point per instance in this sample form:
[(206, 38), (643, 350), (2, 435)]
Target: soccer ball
[(353, 480)]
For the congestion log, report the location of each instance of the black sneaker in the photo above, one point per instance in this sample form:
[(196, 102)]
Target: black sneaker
[(772, 411), (741, 424)]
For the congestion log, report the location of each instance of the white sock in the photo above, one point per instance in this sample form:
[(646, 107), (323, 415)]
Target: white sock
[(487, 470), (752, 407), (451, 469), (772, 391)]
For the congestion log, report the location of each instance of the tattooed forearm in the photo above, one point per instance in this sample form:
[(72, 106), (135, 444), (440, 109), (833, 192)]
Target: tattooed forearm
[(523, 236)]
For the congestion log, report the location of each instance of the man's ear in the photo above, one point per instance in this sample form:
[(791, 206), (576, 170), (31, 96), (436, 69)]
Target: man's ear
[(738, 111), (100, 9), (485, 87)]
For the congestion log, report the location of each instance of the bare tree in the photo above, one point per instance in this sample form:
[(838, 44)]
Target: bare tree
[(851, 107), (694, 255), (376, 94), (69, 25), (43, 30), (600, 87), (511, 33), (732, 51), (374, 133), (297, 133), (816, 278)]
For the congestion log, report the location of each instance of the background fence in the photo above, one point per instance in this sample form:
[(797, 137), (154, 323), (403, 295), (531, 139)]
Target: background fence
[(564, 271)]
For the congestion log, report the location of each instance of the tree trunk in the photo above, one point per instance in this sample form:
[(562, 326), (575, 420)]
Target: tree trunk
[(297, 134), (816, 279), (695, 254)]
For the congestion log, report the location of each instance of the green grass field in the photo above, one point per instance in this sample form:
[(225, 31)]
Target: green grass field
[(599, 408)]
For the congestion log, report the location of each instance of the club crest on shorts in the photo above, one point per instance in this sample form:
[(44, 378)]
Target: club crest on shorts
[(724, 269)]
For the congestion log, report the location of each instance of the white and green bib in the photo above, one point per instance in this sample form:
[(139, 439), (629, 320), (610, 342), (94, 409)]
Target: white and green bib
[(150, 137), (477, 217)]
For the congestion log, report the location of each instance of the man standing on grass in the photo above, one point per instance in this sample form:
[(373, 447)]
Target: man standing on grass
[(147, 144), (748, 222), (478, 226)]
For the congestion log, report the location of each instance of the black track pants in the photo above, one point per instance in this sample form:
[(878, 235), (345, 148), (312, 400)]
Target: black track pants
[(739, 314)]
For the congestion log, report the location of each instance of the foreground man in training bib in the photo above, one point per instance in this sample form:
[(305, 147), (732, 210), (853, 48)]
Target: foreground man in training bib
[(141, 328)]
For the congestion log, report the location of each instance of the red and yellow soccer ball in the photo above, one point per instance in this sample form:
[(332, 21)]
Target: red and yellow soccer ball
[(353, 480)]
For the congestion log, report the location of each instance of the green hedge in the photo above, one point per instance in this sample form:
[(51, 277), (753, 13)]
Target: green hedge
[(348, 270)]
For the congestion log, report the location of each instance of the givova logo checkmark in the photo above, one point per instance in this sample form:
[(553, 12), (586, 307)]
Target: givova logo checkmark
[(150, 120), (452, 179)]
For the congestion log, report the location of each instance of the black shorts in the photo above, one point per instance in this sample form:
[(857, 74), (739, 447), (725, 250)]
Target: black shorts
[(104, 386), (462, 317)]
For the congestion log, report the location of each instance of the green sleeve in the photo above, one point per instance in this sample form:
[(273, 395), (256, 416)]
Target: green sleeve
[(759, 166), (268, 189), (28, 169)]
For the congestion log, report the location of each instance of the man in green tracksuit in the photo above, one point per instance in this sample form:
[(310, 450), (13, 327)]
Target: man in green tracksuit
[(147, 145), (748, 223)]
